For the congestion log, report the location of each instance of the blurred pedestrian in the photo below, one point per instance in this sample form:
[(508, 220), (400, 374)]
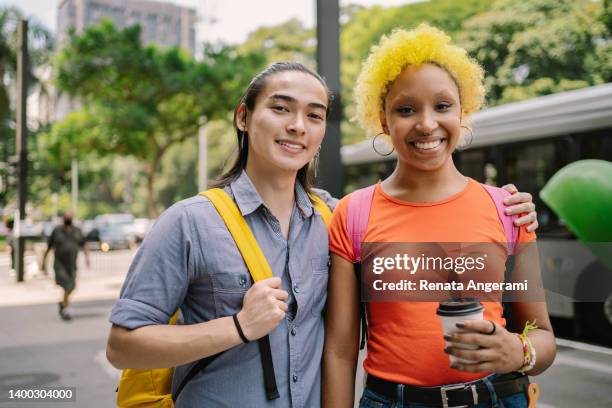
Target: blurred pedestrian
[(66, 240), (9, 223)]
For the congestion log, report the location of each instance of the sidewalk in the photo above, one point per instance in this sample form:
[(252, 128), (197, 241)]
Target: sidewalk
[(102, 281)]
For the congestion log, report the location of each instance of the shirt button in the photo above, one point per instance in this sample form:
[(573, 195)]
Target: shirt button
[(296, 288), (243, 281), (295, 378), (293, 332)]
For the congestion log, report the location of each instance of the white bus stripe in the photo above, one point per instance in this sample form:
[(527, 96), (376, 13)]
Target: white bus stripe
[(584, 364), (583, 346)]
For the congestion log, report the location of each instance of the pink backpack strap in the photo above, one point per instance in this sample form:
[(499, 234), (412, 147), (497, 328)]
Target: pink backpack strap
[(359, 206), (497, 195)]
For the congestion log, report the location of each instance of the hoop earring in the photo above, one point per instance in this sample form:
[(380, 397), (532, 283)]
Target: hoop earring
[(315, 163), (466, 145), (374, 146)]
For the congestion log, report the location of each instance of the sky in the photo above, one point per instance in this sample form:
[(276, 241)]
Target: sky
[(233, 19)]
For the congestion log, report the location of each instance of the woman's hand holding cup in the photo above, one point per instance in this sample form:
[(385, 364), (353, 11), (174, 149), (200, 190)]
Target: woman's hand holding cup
[(500, 351)]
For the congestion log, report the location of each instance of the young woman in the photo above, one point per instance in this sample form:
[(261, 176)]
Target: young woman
[(189, 261), (419, 90)]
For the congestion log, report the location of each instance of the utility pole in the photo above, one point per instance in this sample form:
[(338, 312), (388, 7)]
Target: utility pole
[(328, 66), (21, 143), (74, 182)]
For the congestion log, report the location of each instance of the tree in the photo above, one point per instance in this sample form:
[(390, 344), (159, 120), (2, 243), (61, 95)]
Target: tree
[(181, 162), (39, 47), (537, 47), (288, 41), (140, 101)]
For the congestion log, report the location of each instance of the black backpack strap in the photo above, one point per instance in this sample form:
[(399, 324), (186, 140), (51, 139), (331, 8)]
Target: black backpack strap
[(507, 309), (266, 363), (268, 368), (363, 323), (197, 367)]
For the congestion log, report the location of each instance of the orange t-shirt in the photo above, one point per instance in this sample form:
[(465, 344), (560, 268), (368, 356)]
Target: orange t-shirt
[(405, 339)]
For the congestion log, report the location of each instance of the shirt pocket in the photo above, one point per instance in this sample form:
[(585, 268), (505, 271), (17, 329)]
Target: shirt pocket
[(229, 275), (229, 291), (320, 270)]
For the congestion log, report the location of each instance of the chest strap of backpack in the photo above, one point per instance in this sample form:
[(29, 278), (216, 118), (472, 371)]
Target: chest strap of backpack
[(511, 231), (359, 207)]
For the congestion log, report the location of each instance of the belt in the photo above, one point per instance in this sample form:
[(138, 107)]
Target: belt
[(455, 395)]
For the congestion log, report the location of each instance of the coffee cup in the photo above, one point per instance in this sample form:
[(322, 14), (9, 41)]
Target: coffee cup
[(454, 311)]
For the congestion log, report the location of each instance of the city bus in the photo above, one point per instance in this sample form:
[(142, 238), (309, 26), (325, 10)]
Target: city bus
[(525, 143)]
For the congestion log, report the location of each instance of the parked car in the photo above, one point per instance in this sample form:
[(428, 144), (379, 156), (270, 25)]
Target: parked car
[(113, 231), (140, 227), (116, 236)]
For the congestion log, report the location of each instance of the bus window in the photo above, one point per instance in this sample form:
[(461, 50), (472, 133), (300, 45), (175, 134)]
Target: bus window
[(490, 174), (471, 163), (596, 145), (362, 175), (529, 166)]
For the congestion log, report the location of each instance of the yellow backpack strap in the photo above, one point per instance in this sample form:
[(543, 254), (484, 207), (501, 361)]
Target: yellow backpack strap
[(245, 240), (322, 208), (256, 263)]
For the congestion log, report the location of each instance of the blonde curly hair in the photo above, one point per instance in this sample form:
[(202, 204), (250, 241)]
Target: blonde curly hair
[(422, 45)]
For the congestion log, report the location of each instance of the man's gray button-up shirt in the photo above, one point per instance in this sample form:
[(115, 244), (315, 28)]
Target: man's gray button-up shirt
[(189, 260)]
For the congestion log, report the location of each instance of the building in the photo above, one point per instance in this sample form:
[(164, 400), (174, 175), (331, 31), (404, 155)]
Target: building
[(164, 24)]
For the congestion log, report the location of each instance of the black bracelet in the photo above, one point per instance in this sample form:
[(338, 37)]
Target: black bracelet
[(240, 332)]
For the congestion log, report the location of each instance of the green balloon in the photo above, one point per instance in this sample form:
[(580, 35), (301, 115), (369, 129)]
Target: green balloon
[(581, 194)]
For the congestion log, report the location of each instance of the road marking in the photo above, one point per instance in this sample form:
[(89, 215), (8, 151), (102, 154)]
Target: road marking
[(583, 346), (100, 358), (581, 363)]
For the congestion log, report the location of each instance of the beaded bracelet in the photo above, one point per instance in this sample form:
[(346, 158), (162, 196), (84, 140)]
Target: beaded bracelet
[(529, 352), (532, 358)]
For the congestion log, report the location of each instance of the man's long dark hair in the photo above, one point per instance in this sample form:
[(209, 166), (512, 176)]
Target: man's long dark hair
[(258, 83)]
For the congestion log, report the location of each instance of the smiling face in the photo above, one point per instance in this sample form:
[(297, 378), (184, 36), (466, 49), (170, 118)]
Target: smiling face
[(287, 124), (423, 117)]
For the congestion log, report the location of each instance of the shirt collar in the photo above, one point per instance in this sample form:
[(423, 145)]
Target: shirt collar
[(302, 200), (248, 199)]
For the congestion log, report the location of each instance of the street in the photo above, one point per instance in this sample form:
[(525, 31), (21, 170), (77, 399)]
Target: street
[(39, 349)]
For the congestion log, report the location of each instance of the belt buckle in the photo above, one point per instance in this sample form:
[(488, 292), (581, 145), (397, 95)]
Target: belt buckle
[(445, 388)]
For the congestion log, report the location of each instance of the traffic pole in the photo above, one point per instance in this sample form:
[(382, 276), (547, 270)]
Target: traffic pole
[(328, 66), (21, 142)]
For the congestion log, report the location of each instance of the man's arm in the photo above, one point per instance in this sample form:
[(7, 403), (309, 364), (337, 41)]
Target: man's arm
[(521, 203), (159, 346), (43, 263), (518, 203), (85, 251), (50, 243), (156, 346)]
